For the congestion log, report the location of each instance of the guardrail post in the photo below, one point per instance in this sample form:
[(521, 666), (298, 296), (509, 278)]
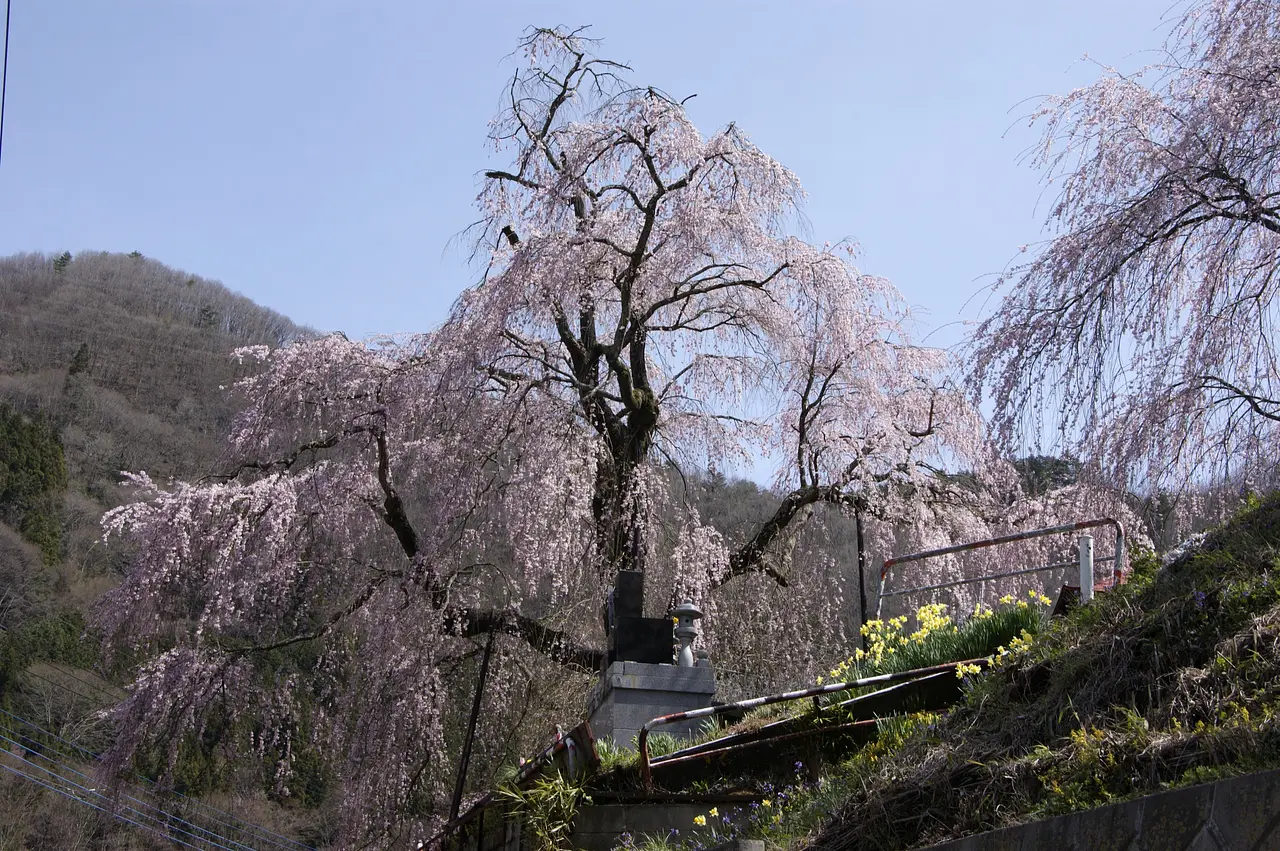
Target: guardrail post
[(1120, 555), (1085, 544)]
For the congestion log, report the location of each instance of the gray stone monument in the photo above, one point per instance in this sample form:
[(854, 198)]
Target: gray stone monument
[(631, 692)]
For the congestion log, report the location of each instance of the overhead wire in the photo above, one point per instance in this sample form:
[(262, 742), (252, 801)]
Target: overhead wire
[(172, 821), (80, 800), (227, 819), (92, 686), (243, 828), (86, 794), (4, 73), (98, 694), (63, 687), (103, 695)]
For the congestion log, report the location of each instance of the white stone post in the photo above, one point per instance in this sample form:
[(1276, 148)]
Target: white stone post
[(1118, 567), (1085, 545)]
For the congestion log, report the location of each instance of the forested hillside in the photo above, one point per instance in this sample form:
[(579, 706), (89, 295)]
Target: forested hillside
[(108, 362), (126, 355), (112, 362), (124, 359)]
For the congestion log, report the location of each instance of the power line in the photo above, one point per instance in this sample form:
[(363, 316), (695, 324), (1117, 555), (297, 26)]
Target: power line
[(197, 808), (210, 812), (78, 799), (68, 671), (88, 698), (4, 73), (86, 795), (101, 696), (170, 821), (78, 748)]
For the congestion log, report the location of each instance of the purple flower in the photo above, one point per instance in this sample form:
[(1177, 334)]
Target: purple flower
[(1199, 597)]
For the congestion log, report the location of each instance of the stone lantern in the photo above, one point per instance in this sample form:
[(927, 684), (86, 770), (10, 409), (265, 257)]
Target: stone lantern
[(684, 615)]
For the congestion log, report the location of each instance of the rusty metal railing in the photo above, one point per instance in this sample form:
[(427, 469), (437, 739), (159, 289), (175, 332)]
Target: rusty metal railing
[(642, 740), (1118, 558)]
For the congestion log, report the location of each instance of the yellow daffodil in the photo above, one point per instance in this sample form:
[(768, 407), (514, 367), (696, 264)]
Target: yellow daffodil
[(700, 821)]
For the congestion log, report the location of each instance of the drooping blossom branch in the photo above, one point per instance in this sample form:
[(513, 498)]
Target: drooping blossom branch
[(1145, 329)]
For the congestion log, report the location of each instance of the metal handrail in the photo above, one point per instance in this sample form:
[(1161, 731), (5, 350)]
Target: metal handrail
[(973, 580), (642, 740), (1118, 558)]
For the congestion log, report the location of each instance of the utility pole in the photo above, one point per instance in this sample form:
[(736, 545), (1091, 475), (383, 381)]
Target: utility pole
[(471, 730)]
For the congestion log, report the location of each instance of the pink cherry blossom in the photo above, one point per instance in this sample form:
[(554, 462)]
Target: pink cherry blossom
[(1143, 332), (644, 308)]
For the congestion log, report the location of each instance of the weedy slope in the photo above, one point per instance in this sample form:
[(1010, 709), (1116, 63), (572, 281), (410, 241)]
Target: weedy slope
[(1171, 680)]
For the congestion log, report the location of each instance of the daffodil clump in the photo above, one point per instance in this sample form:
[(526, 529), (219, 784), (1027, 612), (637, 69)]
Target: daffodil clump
[(937, 639), (1036, 597)]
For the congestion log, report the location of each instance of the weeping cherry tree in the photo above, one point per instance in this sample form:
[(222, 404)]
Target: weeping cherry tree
[(644, 306)]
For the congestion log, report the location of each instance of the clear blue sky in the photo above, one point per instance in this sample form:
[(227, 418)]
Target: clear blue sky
[(319, 156)]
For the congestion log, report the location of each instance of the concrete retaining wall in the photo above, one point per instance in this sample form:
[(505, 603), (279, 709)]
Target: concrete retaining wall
[(597, 828), (1237, 814)]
